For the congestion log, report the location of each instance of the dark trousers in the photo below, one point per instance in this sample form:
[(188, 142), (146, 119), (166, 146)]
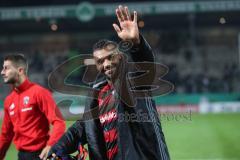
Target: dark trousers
[(25, 155)]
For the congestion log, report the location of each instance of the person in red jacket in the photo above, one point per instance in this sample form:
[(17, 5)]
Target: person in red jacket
[(28, 112)]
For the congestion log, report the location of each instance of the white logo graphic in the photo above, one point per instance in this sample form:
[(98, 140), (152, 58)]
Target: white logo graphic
[(12, 106), (11, 113), (26, 109), (108, 116), (26, 100)]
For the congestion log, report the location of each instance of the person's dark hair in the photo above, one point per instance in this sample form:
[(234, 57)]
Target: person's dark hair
[(105, 44), (18, 60)]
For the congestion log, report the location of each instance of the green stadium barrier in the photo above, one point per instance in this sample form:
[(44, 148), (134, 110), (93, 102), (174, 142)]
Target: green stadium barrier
[(174, 99)]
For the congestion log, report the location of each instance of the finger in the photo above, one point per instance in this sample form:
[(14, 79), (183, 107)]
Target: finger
[(135, 16), (117, 29), (127, 13), (121, 10), (45, 157), (124, 13), (41, 155), (119, 16)]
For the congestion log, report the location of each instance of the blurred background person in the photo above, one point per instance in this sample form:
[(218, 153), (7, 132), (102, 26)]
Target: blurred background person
[(29, 110)]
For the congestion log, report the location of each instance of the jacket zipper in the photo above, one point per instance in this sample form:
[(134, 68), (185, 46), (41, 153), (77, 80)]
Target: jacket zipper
[(19, 117), (19, 108)]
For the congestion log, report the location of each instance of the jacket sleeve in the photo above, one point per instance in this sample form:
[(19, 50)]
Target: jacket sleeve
[(70, 141), (141, 73), (141, 52), (48, 106), (6, 135)]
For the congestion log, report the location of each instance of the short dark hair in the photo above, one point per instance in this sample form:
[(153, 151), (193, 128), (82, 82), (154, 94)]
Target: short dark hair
[(18, 60), (104, 44)]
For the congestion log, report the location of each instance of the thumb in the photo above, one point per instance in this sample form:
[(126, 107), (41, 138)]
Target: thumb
[(116, 27)]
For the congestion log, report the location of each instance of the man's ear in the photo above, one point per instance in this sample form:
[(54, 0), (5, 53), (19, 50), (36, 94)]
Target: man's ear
[(21, 70)]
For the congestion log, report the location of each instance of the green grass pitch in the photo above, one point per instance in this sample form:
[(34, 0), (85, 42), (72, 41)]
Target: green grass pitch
[(200, 137)]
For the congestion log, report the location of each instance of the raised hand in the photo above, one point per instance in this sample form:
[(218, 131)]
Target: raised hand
[(128, 29)]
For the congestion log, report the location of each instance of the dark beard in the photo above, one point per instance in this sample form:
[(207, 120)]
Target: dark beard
[(10, 81), (13, 79)]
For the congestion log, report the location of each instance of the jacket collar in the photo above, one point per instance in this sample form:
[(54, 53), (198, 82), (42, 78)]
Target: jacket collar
[(24, 86)]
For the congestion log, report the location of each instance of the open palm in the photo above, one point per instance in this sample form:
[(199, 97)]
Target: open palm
[(128, 29)]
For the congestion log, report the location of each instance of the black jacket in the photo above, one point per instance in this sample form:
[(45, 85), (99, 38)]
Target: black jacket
[(139, 129)]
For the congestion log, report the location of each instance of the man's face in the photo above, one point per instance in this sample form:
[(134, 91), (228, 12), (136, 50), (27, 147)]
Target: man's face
[(9, 72), (108, 62)]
